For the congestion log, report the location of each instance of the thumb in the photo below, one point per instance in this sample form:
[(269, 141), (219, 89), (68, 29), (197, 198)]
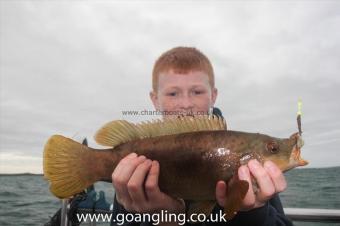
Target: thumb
[(221, 190)]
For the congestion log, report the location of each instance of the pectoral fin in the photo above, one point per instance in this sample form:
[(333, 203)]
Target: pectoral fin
[(236, 193)]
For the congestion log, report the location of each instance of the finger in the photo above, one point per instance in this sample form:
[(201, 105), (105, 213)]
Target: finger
[(131, 155), (116, 171), (156, 197), (120, 180), (249, 199), (221, 190), (136, 184), (266, 186), (151, 184), (276, 176), (127, 167)]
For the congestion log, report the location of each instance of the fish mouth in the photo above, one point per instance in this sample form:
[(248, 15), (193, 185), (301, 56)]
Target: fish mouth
[(296, 157)]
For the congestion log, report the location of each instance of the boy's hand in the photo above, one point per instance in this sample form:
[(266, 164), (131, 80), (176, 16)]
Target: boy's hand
[(135, 180), (269, 178)]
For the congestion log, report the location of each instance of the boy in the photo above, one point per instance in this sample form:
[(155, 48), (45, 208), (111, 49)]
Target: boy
[(183, 83)]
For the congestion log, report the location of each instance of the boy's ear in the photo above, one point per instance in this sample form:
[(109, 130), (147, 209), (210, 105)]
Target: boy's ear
[(213, 96), (154, 99)]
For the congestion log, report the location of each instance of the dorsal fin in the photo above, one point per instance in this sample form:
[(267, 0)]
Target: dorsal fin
[(121, 131)]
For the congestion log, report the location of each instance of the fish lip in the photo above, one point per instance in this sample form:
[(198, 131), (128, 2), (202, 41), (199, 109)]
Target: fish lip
[(296, 158)]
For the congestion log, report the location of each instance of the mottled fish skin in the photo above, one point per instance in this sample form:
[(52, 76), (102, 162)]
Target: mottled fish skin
[(192, 163)]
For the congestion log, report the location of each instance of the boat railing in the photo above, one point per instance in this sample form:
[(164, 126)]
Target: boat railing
[(313, 215)]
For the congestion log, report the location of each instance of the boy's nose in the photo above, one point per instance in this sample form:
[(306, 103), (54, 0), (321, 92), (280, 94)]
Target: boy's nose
[(186, 103)]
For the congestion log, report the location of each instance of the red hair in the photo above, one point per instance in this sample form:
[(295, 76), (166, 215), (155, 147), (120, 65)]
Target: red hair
[(182, 60)]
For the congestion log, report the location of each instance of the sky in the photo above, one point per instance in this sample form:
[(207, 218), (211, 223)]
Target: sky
[(68, 67)]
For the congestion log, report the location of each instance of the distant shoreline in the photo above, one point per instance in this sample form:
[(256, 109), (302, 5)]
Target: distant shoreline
[(21, 174)]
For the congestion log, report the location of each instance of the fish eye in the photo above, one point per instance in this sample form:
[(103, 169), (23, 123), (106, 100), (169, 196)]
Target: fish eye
[(273, 147)]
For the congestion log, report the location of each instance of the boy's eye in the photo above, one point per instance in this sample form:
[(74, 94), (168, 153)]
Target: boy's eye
[(172, 94), (198, 92)]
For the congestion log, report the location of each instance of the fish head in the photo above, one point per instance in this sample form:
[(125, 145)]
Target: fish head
[(285, 153)]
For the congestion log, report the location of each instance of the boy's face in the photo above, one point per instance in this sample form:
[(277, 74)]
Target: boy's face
[(185, 94)]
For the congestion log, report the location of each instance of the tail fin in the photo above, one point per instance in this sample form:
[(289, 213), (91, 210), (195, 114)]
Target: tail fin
[(65, 165)]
